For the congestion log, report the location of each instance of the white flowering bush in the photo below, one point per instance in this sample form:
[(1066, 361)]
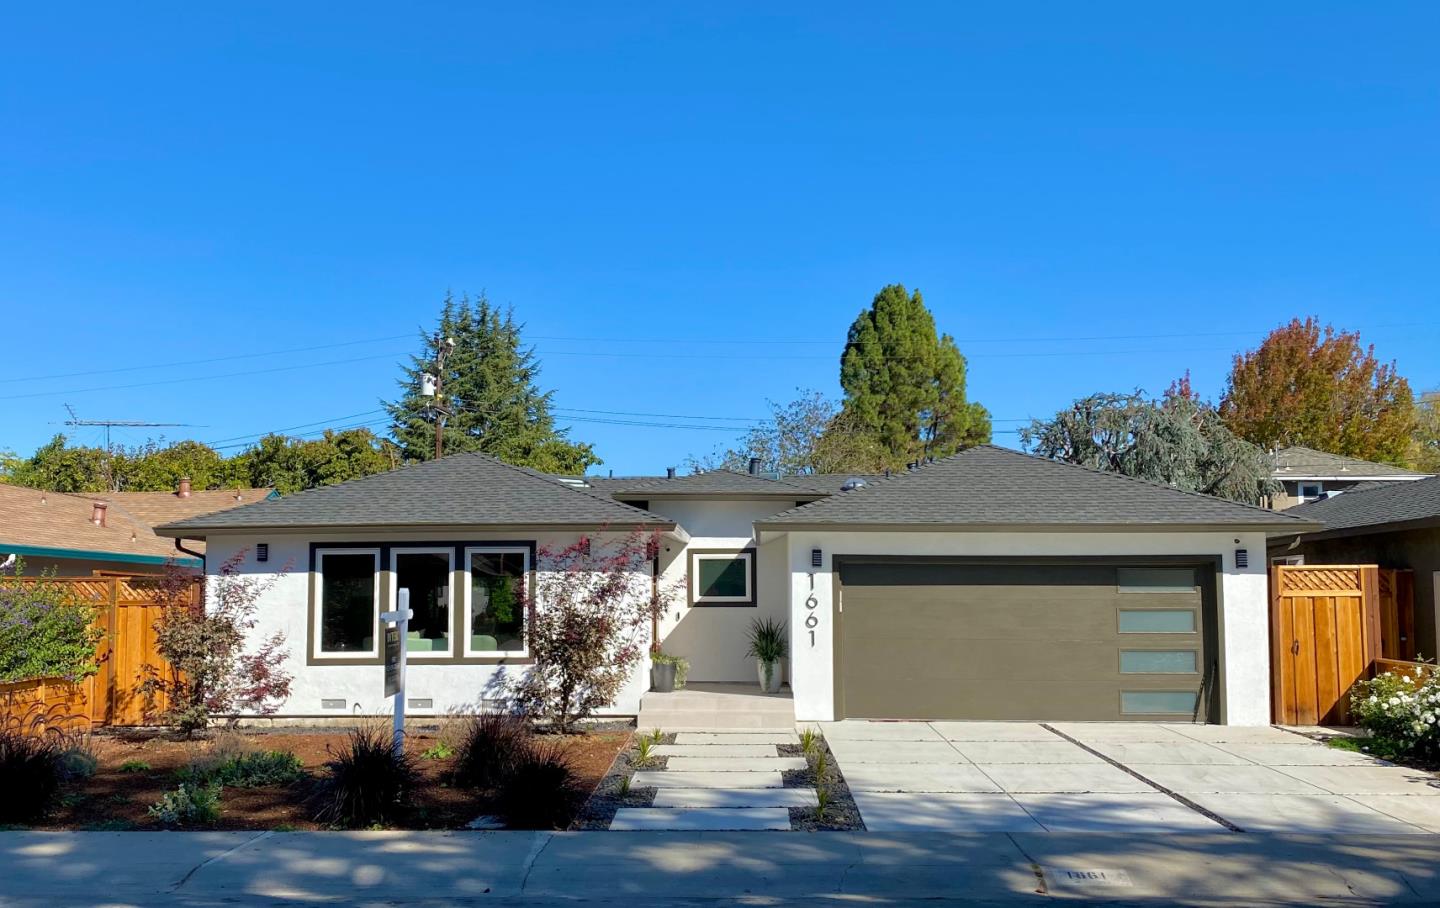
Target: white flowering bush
[(1400, 710)]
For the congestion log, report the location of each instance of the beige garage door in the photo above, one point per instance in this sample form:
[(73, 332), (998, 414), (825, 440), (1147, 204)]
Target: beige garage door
[(922, 639)]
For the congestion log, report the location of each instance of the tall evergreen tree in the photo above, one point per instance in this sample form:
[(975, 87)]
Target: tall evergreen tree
[(905, 385), (489, 388)]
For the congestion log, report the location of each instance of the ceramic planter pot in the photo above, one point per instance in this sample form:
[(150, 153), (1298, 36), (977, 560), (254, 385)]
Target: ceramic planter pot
[(662, 677), (769, 673)]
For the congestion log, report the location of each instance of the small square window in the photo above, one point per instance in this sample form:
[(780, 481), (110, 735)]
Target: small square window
[(722, 578)]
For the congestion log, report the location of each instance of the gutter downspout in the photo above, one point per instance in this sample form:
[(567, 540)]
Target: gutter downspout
[(191, 552)]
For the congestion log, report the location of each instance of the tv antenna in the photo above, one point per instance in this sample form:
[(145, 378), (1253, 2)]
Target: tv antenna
[(109, 424)]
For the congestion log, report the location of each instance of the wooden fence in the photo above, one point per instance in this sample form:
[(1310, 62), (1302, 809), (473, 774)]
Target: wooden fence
[(1328, 626), (128, 608)]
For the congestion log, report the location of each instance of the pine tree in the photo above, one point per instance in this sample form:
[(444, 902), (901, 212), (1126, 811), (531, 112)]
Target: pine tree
[(905, 385), (489, 388)]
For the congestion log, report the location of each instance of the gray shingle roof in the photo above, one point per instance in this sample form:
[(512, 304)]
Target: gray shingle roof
[(729, 483), (1375, 505), (991, 486), (1298, 462), (459, 490)]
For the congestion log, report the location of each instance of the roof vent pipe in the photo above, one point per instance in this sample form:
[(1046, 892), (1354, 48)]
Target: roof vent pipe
[(184, 489), (754, 466), (97, 513), (669, 472)]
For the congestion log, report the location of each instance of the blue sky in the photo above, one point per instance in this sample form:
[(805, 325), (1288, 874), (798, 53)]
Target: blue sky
[(687, 204)]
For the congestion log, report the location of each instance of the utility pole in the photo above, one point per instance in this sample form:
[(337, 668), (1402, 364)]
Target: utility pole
[(434, 385)]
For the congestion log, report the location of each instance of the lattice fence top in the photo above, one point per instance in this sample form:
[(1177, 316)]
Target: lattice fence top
[(1318, 579), (128, 590)]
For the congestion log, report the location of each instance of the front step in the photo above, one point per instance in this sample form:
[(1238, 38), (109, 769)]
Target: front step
[(708, 707)]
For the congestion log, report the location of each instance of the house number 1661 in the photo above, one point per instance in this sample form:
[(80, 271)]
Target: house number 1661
[(812, 620)]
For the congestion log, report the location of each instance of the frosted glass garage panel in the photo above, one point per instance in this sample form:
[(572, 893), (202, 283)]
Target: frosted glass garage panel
[(1157, 621), (1155, 580), (1157, 702), (1158, 661)]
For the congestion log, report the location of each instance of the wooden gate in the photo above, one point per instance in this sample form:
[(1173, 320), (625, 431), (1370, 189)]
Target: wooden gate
[(1328, 624), (128, 608)]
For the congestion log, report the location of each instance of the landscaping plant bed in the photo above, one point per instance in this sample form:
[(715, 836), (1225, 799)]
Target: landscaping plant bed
[(136, 769), (840, 813)]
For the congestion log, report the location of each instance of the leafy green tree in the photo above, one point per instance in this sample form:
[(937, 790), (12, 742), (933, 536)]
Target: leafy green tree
[(1178, 440), (489, 390), (1318, 387), (905, 385), (292, 464), (156, 467), (57, 467), (1425, 444), (808, 435)]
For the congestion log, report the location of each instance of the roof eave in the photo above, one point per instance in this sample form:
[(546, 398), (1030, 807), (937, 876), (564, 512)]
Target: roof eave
[(179, 531), (1373, 529), (1272, 529), (41, 551)]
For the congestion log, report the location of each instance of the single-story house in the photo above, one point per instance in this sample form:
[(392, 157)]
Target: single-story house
[(987, 585), (78, 535), (1305, 474), (1387, 524)]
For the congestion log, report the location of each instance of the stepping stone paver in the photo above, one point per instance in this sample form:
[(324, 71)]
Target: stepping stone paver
[(734, 797), (667, 778), (737, 737), (733, 764), (715, 750), (701, 818)]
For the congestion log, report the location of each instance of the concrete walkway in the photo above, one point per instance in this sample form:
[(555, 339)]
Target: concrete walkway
[(716, 780), (53, 870), (1122, 777)]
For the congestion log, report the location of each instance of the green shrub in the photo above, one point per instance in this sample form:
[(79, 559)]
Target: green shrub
[(490, 744), (46, 631), (367, 782), (78, 761), (441, 751), (188, 805), (540, 790), (134, 766), (682, 666), (644, 752), (253, 770), (1401, 712), (31, 770)]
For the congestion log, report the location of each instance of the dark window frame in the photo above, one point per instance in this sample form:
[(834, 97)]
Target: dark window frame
[(691, 561)]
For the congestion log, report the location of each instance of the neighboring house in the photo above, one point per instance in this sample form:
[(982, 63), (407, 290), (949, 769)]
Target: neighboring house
[(988, 585), (1386, 524), (1306, 474), (76, 535)]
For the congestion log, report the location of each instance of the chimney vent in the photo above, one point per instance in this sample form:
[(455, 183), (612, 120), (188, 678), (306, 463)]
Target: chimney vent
[(184, 490), (754, 466), (97, 513), (669, 472)]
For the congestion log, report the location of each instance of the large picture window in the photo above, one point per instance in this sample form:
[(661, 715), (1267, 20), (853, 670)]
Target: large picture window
[(347, 603), (427, 574), (498, 600), (722, 578)]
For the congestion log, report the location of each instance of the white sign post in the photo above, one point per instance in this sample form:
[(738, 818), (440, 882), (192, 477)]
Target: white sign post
[(396, 628)]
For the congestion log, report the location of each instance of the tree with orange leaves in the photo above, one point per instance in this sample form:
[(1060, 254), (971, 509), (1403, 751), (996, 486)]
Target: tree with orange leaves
[(1318, 387)]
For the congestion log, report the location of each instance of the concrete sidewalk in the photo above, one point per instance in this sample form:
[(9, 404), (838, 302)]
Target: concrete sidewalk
[(140, 868)]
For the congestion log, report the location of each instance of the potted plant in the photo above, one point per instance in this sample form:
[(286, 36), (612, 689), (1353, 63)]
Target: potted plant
[(768, 645), (667, 673)]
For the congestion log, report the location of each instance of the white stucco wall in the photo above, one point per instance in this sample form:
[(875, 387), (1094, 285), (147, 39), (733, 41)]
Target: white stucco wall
[(1244, 608), (714, 638), (285, 607)]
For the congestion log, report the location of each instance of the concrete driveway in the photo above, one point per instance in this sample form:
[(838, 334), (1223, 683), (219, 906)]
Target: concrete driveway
[(1121, 777)]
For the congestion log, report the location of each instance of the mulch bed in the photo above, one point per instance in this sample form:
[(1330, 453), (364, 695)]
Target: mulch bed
[(841, 814), (112, 799)]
